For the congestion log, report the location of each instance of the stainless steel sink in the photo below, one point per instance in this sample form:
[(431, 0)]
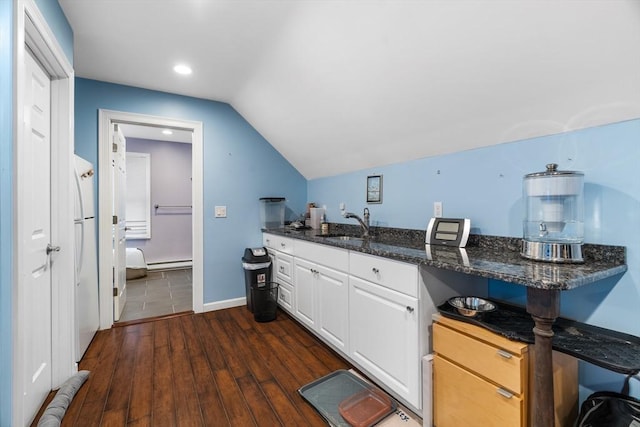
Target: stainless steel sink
[(342, 237), (347, 238)]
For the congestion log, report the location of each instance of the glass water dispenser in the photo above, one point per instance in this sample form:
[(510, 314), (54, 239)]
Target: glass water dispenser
[(554, 221)]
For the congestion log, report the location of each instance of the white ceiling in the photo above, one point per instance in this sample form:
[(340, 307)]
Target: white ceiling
[(343, 85)]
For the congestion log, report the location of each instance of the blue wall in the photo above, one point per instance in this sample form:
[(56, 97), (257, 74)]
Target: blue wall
[(485, 185), (58, 23), (240, 166), (6, 207)]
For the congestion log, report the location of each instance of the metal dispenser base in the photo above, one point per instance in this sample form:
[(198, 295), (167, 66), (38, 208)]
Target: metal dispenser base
[(552, 252)]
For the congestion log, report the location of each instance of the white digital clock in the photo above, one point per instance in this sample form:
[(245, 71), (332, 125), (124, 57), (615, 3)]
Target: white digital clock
[(448, 232)]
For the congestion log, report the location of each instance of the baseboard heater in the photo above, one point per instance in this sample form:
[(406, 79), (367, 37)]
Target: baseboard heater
[(168, 265)]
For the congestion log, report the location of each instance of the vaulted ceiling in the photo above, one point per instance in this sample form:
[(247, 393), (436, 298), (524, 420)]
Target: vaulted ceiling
[(343, 85)]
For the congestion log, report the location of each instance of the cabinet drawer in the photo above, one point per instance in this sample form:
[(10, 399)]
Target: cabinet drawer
[(395, 275), (279, 243), (283, 269), (494, 363), (322, 254), (464, 399), (285, 297)]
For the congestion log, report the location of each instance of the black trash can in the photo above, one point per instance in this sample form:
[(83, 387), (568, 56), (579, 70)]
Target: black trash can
[(257, 271), (265, 301)]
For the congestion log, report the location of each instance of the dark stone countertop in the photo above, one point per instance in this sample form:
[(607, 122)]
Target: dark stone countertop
[(608, 349), (485, 256)]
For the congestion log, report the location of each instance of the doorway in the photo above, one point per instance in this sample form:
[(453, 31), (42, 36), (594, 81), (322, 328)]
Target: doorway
[(109, 263), (159, 249)]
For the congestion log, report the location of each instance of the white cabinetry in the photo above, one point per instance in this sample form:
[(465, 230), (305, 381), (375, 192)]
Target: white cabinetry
[(305, 309), (280, 250), (322, 294), (384, 323), (373, 310), (278, 243), (283, 274)]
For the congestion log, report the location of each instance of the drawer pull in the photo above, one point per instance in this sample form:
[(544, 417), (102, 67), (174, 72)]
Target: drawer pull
[(282, 244), (505, 393), (410, 309), (268, 242), (375, 270), (281, 269), (505, 354)]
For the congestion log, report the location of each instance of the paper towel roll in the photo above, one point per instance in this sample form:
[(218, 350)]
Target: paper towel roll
[(316, 216)]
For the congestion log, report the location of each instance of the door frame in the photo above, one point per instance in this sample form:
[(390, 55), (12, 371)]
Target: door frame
[(105, 191), (33, 32)]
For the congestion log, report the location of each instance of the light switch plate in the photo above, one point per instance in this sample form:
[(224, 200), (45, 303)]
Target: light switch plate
[(221, 211), (437, 209)]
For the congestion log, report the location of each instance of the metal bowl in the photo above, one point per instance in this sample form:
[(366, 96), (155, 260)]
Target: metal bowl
[(471, 306)]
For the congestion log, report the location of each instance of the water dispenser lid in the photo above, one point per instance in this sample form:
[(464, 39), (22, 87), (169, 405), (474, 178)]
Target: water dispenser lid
[(552, 170)]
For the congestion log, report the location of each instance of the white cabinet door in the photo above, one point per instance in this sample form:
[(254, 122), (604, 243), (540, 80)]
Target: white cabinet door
[(333, 306), (304, 295), (383, 334)]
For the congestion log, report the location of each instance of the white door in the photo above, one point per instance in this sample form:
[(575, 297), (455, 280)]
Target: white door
[(119, 221), (35, 233)]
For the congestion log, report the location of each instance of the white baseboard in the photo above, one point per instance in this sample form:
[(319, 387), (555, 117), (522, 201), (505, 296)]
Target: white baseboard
[(169, 265), (220, 305)]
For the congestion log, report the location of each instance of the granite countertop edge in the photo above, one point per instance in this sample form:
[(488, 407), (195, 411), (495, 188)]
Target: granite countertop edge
[(492, 257)]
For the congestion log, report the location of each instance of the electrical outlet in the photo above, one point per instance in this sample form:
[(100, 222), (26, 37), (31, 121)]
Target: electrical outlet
[(220, 211), (437, 209)]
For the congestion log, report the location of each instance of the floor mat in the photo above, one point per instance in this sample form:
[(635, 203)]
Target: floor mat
[(327, 393)]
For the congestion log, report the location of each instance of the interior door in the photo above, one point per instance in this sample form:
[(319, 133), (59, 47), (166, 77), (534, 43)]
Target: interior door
[(35, 234), (119, 167)]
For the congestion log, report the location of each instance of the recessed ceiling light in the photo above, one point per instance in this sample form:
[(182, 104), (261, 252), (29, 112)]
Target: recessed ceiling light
[(167, 132), (182, 69)]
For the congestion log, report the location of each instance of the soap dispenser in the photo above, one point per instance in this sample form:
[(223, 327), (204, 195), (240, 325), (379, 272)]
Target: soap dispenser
[(324, 225)]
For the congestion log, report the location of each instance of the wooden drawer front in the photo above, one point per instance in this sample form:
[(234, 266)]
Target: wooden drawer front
[(279, 243), (504, 368), (463, 399), (335, 258), (394, 275), (283, 268)]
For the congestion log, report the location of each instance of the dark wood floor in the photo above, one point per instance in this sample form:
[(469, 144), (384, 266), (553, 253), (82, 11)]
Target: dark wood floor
[(211, 369)]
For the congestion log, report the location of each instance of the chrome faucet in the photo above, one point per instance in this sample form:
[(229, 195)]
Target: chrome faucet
[(364, 224)]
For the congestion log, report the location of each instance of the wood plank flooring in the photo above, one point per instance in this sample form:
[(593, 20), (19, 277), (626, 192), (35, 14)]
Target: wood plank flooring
[(211, 369)]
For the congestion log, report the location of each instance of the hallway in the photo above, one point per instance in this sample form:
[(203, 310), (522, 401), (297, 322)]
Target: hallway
[(211, 369)]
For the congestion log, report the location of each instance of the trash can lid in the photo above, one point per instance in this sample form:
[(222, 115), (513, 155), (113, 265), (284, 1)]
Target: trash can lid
[(272, 199), (256, 255)]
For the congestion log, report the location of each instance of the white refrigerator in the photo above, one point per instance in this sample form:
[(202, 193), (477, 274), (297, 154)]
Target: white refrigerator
[(87, 317)]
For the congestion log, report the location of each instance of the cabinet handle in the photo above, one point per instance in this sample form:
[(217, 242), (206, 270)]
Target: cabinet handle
[(268, 242), (410, 309), (505, 354), (375, 270), (281, 269), (504, 393), (283, 245)]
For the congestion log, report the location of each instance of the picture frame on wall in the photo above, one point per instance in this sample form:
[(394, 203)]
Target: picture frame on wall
[(374, 189)]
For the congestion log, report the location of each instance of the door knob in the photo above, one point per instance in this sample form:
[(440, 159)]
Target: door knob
[(52, 248)]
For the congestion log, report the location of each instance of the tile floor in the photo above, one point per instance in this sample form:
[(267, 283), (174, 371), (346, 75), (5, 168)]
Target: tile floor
[(158, 293)]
